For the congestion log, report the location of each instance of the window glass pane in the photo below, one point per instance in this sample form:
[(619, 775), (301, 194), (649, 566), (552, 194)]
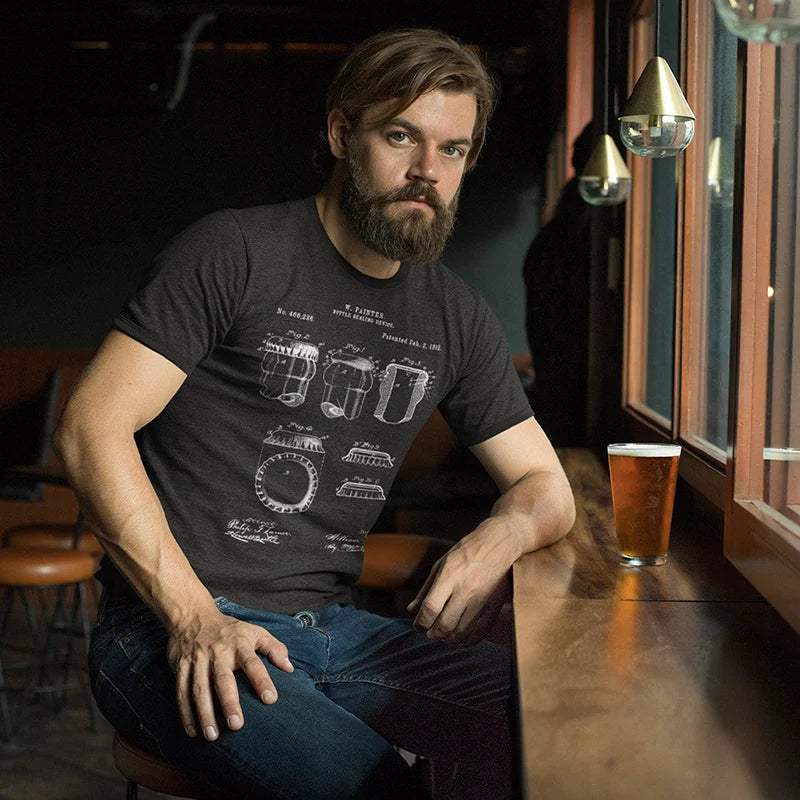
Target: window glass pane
[(710, 354), (661, 290), (782, 445)]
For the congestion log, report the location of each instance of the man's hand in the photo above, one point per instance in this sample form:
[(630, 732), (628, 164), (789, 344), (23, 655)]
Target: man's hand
[(204, 653), (464, 592)]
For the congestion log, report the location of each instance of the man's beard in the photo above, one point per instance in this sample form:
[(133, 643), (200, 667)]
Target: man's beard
[(412, 236)]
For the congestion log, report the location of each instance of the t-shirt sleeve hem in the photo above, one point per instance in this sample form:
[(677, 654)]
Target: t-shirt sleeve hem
[(498, 427), (126, 326)]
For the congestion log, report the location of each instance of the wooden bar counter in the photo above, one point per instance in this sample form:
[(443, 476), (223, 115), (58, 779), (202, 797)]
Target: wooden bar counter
[(676, 681)]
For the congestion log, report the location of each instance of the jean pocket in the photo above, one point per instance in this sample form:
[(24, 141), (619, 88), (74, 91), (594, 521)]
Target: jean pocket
[(145, 640)]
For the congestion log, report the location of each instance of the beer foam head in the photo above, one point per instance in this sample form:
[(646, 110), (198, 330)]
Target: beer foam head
[(644, 450)]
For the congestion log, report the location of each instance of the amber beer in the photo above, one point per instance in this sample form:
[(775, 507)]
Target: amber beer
[(643, 478)]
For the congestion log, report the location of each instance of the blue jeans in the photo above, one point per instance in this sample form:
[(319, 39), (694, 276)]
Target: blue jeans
[(362, 683)]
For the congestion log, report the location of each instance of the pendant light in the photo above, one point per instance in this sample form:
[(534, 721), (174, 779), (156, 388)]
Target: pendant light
[(720, 174), (605, 180), (656, 121), (777, 21)]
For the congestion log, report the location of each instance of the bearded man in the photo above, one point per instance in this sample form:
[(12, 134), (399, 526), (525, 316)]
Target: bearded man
[(235, 435)]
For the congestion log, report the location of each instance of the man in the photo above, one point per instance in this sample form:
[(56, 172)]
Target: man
[(237, 430)]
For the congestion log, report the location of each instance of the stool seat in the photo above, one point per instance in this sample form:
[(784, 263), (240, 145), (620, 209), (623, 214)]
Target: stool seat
[(140, 767), (59, 536), (38, 566)]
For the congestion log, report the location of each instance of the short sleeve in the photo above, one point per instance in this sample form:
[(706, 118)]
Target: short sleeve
[(188, 299), (487, 396)]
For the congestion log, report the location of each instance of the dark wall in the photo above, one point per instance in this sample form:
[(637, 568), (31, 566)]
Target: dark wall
[(97, 176)]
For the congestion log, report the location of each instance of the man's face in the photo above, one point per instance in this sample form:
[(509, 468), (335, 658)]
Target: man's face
[(402, 178)]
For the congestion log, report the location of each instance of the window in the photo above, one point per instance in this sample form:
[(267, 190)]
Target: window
[(651, 298), (762, 529), (712, 316), (782, 430), (709, 246)]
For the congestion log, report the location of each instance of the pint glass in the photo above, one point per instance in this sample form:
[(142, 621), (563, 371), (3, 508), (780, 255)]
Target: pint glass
[(643, 478)]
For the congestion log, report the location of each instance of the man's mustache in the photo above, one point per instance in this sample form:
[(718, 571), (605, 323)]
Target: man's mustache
[(413, 191)]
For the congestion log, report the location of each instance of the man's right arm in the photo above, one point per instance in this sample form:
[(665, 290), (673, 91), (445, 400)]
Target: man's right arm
[(124, 387)]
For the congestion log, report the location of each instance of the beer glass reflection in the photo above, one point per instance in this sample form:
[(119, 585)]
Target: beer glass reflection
[(643, 479)]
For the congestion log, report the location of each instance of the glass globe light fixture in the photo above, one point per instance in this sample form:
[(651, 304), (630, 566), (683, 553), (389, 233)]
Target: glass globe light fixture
[(605, 180), (656, 121), (775, 21), (720, 177)]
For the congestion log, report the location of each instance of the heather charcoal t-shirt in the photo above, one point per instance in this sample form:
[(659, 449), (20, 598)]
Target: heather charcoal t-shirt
[(307, 382)]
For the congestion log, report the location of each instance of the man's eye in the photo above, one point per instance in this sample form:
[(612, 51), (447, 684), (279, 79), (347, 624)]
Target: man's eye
[(398, 136), (455, 152)]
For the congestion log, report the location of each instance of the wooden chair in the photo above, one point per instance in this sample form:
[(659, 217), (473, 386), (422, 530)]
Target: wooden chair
[(392, 561)]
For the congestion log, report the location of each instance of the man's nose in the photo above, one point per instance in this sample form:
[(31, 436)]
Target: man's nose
[(424, 165)]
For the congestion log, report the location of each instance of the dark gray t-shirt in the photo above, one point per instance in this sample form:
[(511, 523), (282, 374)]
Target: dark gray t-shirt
[(307, 382)]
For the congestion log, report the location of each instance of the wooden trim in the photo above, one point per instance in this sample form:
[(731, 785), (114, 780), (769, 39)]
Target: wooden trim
[(692, 338), (756, 243), (764, 546), (680, 239), (785, 322), (580, 75), (655, 419), (637, 250), (767, 552)]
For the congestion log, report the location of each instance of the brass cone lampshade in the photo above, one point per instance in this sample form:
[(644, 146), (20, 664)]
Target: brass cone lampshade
[(605, 180), (656, 121)]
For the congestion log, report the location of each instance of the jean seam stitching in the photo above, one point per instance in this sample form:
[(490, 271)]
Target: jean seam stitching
[(135, 713), (330, 679)]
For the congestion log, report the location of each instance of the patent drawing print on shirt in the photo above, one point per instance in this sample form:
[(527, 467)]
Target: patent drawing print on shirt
[(292, 457)]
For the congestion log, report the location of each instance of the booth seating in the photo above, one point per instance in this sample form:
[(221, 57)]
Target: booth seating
[(392, 561)]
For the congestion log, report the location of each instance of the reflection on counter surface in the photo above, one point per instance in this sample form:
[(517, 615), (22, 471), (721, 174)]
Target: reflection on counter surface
[(677, 681)]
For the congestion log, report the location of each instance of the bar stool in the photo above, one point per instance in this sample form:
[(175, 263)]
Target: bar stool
[(54, 571), (141, 768), (59, 536)]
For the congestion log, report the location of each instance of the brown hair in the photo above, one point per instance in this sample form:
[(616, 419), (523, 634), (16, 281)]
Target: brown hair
[(402, 65)]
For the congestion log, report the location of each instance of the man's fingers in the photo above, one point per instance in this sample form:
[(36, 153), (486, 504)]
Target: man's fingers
[(453, 620), (469, 628), (227, 692), (183, 676), (205, 667), (432, 604), (253, 667), (202, 699), (278, 654), (276, 651), (415, 603)]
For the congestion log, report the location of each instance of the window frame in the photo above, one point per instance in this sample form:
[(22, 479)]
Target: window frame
[(700, 466), (757, 539)]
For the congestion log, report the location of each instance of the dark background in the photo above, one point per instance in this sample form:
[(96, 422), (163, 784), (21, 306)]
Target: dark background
[(97, 172)]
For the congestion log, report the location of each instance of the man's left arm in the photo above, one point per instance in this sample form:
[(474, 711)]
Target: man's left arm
[(468, 586)]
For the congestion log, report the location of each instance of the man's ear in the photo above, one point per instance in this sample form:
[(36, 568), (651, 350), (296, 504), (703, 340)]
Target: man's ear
[(338, 133)]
